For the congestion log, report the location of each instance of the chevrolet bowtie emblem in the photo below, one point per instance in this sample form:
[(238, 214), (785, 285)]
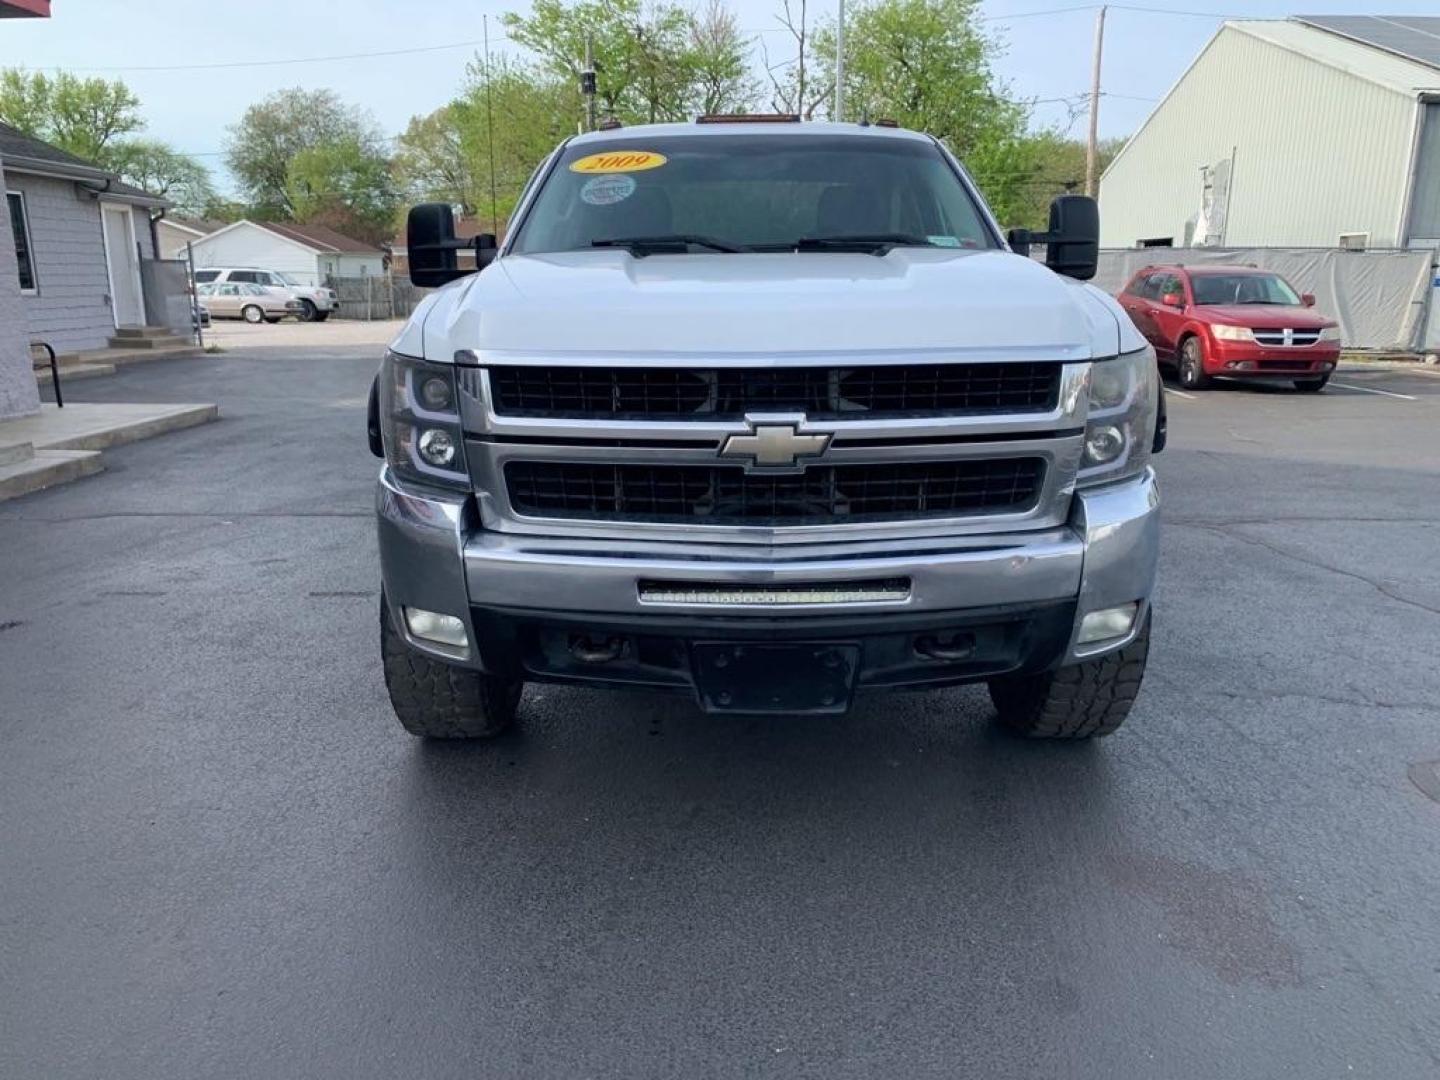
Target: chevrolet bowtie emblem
[(775, 446)]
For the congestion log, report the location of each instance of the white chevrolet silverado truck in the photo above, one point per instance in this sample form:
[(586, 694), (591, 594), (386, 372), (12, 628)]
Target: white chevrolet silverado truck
[(768, 414)]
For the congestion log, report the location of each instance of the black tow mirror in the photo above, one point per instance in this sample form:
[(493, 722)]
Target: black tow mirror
[(431, 246), (1072, 244), (486, 248), (1019, 241)]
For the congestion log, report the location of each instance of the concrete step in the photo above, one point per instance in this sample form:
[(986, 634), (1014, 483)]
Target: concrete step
[(130, 356), (87, 426), (133, 332), (14, 453), (70, 372), (46, 469), (159, 341)]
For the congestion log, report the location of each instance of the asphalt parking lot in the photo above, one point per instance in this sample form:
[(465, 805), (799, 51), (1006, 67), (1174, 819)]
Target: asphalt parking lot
[(223, 858)]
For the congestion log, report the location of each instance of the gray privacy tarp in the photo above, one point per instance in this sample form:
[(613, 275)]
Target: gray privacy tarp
[(1379, 298), (166, 283)]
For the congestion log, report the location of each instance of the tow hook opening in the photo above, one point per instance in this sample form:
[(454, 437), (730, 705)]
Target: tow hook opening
[(945, 646), (589, 649)]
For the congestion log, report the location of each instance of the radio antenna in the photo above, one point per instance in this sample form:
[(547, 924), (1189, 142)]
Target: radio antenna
[(490, 126)]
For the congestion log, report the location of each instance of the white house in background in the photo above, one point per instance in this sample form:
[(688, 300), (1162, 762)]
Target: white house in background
[(172, 234), (1316, 131), (308, 253)]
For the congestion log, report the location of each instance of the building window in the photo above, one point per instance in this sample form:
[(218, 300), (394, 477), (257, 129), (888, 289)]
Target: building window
[(24, 250)]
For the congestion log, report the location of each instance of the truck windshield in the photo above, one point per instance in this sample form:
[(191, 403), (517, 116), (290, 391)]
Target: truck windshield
[(762, 192)]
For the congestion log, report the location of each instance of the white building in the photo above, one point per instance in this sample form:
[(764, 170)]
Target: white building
[(1309, 132), (308, 253)]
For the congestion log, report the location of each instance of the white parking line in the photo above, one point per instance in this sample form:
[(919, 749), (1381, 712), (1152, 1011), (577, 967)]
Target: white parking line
[(1180, 393), (1371, 390)]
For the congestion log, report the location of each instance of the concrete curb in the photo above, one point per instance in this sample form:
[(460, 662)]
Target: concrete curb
[(60, 445), (47, 468)]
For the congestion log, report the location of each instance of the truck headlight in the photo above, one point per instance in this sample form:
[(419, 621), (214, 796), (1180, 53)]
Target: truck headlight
[(420, 421), (1124, 394)]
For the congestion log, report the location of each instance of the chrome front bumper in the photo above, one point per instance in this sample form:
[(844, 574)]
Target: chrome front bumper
[(435, 555)]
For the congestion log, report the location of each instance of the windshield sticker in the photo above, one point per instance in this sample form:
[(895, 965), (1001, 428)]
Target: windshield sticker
[(944, 241), (619, 161), (607, 190)]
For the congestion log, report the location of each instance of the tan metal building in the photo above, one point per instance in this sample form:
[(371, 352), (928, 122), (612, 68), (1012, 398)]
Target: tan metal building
[(1310, 132)]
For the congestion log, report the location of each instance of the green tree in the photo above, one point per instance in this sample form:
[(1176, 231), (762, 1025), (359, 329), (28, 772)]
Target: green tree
[(431, 159), (928, 65), (161, 170), (345, 185), (445, 156), (81, 116), (1056, 165), (719, 62), (263, 146), (645, 68)]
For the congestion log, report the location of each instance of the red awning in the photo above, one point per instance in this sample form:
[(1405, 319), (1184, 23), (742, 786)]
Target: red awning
[(24, 9)]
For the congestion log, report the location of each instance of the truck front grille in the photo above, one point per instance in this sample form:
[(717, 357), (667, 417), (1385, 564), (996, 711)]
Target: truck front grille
[(605, 393), (727, 495)]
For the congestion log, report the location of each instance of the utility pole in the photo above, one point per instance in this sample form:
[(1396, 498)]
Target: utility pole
[(840, 65), (1090, 147), (587, 82)]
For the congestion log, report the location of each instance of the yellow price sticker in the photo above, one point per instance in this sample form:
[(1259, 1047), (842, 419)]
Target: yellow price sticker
[(618, 161)]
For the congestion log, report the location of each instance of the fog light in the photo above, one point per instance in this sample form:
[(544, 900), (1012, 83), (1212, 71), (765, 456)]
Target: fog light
[(1246, 365), (1107, 623), (1327, 366), (432, 626), (437, 447), (1103, 445)]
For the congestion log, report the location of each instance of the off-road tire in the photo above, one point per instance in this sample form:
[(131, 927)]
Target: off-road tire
[(321, 316), (436, 700), (254, 314), (307, 311), (1312, 386), (1191, 366), (1081, 701)]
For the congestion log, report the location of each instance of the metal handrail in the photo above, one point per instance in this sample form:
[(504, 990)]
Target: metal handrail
[(54, 370)]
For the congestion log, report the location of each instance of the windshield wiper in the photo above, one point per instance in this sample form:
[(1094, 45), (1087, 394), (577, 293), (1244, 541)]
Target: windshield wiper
[(870, 243), (674, 243)]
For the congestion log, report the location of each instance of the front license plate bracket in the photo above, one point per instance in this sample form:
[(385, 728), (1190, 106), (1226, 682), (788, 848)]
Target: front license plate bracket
[(793, 677)]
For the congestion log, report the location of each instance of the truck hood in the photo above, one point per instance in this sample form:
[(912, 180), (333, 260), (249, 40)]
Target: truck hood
[(552, 307)]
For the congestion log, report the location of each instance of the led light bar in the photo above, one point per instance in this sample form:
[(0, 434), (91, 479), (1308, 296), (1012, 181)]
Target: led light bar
[(719, 594)]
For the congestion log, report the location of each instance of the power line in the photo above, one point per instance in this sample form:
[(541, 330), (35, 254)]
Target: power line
[(287, 61)]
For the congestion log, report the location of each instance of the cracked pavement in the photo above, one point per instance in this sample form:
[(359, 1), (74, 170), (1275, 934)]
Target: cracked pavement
[(223, 858)]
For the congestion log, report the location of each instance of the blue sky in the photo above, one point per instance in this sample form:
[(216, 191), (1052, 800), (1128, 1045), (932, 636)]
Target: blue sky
[(1047, 55)]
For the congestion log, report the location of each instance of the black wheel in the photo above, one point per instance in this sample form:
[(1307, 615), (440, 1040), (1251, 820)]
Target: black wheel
[(253, 314), (436, 700), (1081, 701), (307, 311), (273, 319), (321, 316), (1312, 386), (1192, 365)]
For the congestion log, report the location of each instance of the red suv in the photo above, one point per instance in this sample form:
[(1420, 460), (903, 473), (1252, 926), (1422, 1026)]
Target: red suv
[(1232, 321)]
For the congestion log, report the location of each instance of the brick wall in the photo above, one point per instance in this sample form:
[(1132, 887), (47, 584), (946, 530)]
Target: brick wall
[(17, 382)]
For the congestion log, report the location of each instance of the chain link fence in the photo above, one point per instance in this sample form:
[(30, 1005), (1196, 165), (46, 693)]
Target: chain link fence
[(375, 297)]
